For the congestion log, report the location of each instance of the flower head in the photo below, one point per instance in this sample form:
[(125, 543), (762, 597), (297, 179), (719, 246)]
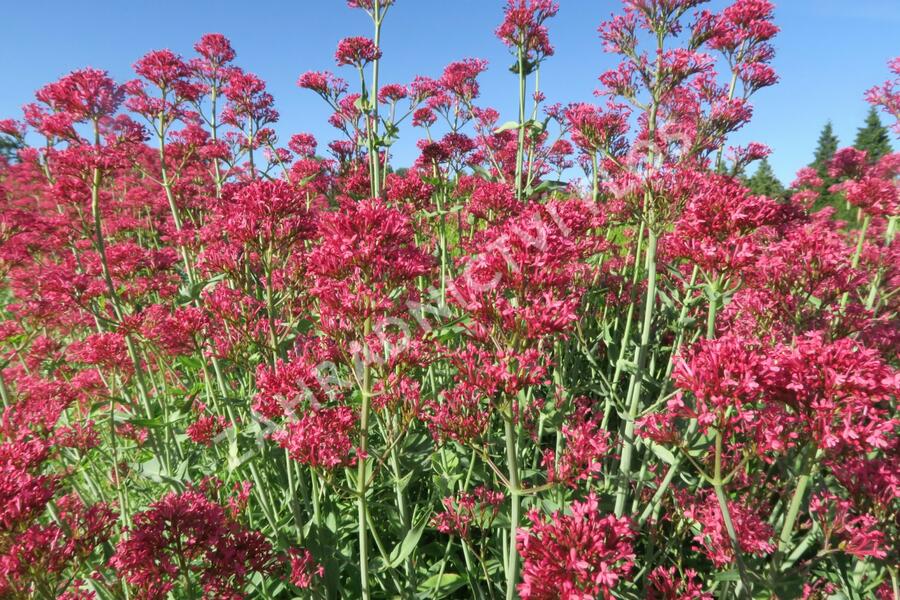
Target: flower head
[(356, 51), (582, 555)]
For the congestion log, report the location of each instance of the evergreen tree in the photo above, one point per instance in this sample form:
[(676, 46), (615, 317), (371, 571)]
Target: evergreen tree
[(764, 182), (873, 137), (9, 147), (825, 149)]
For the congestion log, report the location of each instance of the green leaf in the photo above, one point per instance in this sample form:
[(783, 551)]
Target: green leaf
[(409, 543), (153, 423), (627, 365), (507, 126), (663, 453), (730, 575), (442, 584), (536, 127), (548, 185), (190, 363), (479, 170)]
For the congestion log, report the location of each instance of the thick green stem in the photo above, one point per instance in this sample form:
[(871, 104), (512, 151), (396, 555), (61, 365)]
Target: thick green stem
[(794, 508), (374, 153), (711, 314), (520, 147), (876, 281), (173, 206), (637, 378), (726, 517), (732, 87), (361, 474), (4, 393), (403, 510), (511, 432), (854, 262), (629, 317), (270, 305)]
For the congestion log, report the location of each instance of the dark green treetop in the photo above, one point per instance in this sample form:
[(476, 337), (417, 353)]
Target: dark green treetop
[(873, 137), (764, 182)]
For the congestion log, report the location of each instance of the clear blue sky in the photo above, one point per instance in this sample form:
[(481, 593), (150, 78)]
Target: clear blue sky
[(829, 53)]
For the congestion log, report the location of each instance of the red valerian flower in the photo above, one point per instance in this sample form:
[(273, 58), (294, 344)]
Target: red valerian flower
[(260, 214), (303, 145), (163, 68), (753, 533), (460, 78), (597, 130), (841, 389), (409, 191), (477, 509), (248, 100), (83, 95), (356, 51), (587, 444), (747, 23), (848, 162), (871, 187), (392, 92), (722, 228), (173, 332), (320, 438), (491, 201), (666, 584), (364, 265), (323, 83), (188, 539), (574, 557), (24, 490), (369, 4), (305, 571), (523, 27), (527, 274), (44, 551), (859, 535), (424, 117), (215, 48), (205, 429), (887, 95)]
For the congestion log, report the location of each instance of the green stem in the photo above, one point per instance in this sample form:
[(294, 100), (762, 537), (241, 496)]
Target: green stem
[(520, 148), (895, 584), (403, 510), (854, 262), (711, 314), (361, 474), (514, 493), (876, 281), (726, 516), (637, 378), (376, 158)]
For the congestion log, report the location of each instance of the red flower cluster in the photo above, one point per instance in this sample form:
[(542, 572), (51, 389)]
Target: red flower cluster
[(190, 538), (582, 555), (689, 389)]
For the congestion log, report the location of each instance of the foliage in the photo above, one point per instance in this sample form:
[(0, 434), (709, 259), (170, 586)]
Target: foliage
[(235, 366)]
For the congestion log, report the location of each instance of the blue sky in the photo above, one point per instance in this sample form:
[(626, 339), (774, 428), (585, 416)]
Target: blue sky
[(829, 53)]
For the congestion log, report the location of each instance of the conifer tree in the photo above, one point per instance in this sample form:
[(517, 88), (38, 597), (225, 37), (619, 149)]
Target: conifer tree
[(825, 149), (9, 147), (873, 137), (764, 182)]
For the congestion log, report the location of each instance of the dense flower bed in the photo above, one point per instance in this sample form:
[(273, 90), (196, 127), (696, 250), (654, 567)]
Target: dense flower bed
[(236, 366)]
